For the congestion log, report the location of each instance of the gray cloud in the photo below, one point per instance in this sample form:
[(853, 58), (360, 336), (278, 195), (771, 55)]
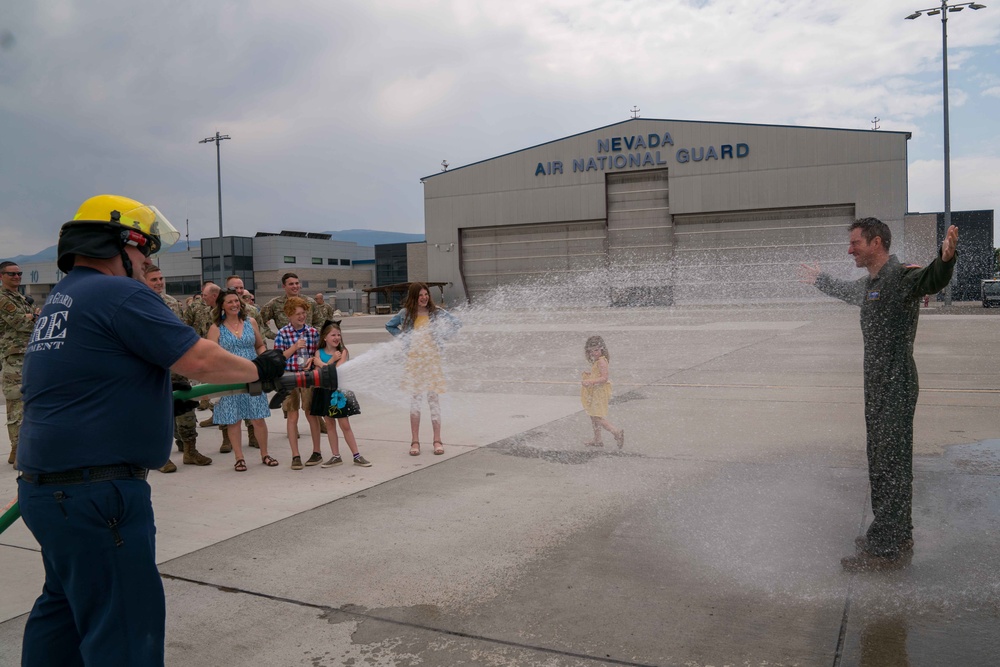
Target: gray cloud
[(337, 109)]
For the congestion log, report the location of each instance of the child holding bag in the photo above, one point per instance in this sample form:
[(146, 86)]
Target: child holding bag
[(336, 406)]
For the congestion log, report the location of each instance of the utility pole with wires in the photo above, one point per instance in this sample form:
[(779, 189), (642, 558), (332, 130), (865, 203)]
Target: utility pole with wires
[(635, 111)]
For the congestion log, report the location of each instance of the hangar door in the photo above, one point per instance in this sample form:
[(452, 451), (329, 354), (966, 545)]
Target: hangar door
[(521, 254), (754, 255), (640, 238)]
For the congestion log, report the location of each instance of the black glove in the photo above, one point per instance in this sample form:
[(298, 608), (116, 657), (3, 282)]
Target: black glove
[(270, 365), (180, 407)]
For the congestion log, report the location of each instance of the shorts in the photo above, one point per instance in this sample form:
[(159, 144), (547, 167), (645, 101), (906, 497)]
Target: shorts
[(299, 397)]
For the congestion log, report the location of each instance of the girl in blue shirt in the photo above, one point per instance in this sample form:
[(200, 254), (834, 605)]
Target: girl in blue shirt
[(336, 406)]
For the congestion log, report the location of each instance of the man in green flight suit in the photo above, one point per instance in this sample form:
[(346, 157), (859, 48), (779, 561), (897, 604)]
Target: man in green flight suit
[(890, 305), (17, 319)]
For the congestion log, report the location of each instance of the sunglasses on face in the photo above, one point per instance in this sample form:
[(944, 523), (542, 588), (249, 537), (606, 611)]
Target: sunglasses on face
[(14, 273)]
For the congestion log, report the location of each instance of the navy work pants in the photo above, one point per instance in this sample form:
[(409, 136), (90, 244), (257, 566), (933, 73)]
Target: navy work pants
[(102, 602)]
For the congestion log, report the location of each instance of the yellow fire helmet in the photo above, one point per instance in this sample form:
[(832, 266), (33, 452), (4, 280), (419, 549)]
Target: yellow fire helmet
[(105, 224)]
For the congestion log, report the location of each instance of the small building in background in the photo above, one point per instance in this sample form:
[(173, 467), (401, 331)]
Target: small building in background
[(396, 264), (976, 260)]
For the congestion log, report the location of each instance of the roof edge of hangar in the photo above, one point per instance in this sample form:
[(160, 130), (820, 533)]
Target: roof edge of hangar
[(909, 135)]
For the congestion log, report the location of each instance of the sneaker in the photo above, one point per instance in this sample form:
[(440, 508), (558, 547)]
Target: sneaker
[(315, 459), (297, 463), (333, 461), (362, 461)]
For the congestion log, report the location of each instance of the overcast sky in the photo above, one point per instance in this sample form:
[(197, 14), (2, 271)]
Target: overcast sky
[(337, 109)]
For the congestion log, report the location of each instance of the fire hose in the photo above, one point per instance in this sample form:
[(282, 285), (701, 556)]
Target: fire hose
[(325, 377)]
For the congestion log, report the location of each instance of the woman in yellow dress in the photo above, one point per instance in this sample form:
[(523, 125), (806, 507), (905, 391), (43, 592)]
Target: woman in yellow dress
[(426, 326), (596, 392)]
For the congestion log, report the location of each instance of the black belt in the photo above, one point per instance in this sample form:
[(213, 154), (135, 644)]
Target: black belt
[(85, 475)]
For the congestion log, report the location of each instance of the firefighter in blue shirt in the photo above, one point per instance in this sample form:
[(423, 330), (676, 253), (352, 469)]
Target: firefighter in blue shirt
[(97, 415)]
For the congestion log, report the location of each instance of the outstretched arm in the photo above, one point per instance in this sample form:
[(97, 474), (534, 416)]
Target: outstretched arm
[(851, 291), (936, 276)]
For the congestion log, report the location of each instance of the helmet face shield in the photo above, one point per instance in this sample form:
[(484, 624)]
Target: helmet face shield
[(148, 221), (159, 229)]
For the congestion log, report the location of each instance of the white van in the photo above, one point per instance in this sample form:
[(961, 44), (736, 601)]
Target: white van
[(991, 292)]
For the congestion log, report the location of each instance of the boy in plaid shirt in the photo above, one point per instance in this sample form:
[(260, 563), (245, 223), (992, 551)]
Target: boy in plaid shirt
[(298, 342)]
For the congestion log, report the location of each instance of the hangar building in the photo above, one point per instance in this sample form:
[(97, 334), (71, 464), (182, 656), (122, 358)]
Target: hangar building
[(666, 211)]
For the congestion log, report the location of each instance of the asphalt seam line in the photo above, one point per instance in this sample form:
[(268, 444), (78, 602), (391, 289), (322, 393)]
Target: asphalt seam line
[(842, 634), (408, 624)]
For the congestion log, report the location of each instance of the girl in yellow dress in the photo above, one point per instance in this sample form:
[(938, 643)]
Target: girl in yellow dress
[(426, 326), (596, 392)]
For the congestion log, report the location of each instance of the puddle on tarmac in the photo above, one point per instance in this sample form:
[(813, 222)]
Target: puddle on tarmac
[(980, 458)]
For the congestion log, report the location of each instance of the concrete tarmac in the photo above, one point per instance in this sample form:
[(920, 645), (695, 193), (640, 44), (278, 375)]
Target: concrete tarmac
[(712, 538)]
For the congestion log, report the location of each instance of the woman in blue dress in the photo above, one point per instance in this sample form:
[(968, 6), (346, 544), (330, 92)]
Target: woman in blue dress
[(236, 333)]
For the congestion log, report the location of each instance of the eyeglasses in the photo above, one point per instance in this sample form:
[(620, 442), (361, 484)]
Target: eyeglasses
[(13, 273)]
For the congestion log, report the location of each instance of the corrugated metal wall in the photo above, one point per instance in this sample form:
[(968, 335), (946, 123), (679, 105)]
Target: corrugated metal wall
[(653, 260), (506, 255), (754, 255)]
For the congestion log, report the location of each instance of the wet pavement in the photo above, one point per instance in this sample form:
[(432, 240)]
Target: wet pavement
[(713, 538)]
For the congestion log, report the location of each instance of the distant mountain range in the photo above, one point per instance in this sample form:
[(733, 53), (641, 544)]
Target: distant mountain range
[(363, 237)]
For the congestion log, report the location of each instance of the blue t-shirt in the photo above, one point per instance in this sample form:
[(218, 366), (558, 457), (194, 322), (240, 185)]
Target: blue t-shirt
[(96, 376)]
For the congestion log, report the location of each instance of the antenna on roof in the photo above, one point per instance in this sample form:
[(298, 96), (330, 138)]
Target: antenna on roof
[(444, 165), (874, 123), (635, 111)]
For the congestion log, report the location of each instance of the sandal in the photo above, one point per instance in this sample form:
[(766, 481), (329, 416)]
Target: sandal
[(414, 448), (438, 447), (269, 461), (241, 465)]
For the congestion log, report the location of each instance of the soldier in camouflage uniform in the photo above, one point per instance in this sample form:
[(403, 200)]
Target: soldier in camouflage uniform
[(889, 298), (235, 283), (325, 311), (275, 308), (190, 312), (17, 320), (200, 315), (185, 425)]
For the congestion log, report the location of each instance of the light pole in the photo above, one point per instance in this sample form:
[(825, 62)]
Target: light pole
[(218, 139), (943, 10)]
